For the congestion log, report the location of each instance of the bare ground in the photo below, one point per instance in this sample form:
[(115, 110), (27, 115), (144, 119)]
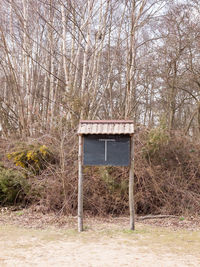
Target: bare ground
[(32, 239)]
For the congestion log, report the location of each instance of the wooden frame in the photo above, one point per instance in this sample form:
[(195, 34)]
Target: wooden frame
[(131, 187), (80, 184)]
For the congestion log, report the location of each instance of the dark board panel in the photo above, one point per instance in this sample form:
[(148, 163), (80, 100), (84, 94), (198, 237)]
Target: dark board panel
[(101, 149)]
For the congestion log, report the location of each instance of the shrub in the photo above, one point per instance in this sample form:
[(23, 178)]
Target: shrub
[(155, 139), (13, 187), (114, 184), (32, 157), (168, 180)]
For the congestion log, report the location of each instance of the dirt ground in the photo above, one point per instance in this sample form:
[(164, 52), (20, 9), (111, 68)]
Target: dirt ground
[(34, 239)]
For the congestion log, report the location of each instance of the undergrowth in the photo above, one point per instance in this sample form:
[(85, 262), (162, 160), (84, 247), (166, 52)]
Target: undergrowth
[(167, 178), (13, 187)]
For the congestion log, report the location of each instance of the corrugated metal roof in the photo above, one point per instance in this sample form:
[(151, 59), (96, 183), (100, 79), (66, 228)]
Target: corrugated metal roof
[(106, 127)]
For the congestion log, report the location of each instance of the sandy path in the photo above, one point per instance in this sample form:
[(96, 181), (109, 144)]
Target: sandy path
[(33, 240), (111, 252)]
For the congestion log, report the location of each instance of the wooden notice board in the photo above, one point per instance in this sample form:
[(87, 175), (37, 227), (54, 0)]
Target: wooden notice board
[(105, 143), (106, 150)]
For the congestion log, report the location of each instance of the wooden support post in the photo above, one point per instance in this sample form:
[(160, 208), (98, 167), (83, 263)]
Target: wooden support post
[(80, 186), (131, 187)]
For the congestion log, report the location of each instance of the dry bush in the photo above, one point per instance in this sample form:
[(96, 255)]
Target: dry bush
[(167, 180)]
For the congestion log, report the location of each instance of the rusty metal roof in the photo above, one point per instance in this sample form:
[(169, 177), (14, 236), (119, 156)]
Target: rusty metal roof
[(106, 127)]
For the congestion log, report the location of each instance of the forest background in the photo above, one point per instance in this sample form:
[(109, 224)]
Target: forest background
[(62, 61)]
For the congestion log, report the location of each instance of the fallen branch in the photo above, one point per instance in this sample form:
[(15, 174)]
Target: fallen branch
[(141, 218)]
